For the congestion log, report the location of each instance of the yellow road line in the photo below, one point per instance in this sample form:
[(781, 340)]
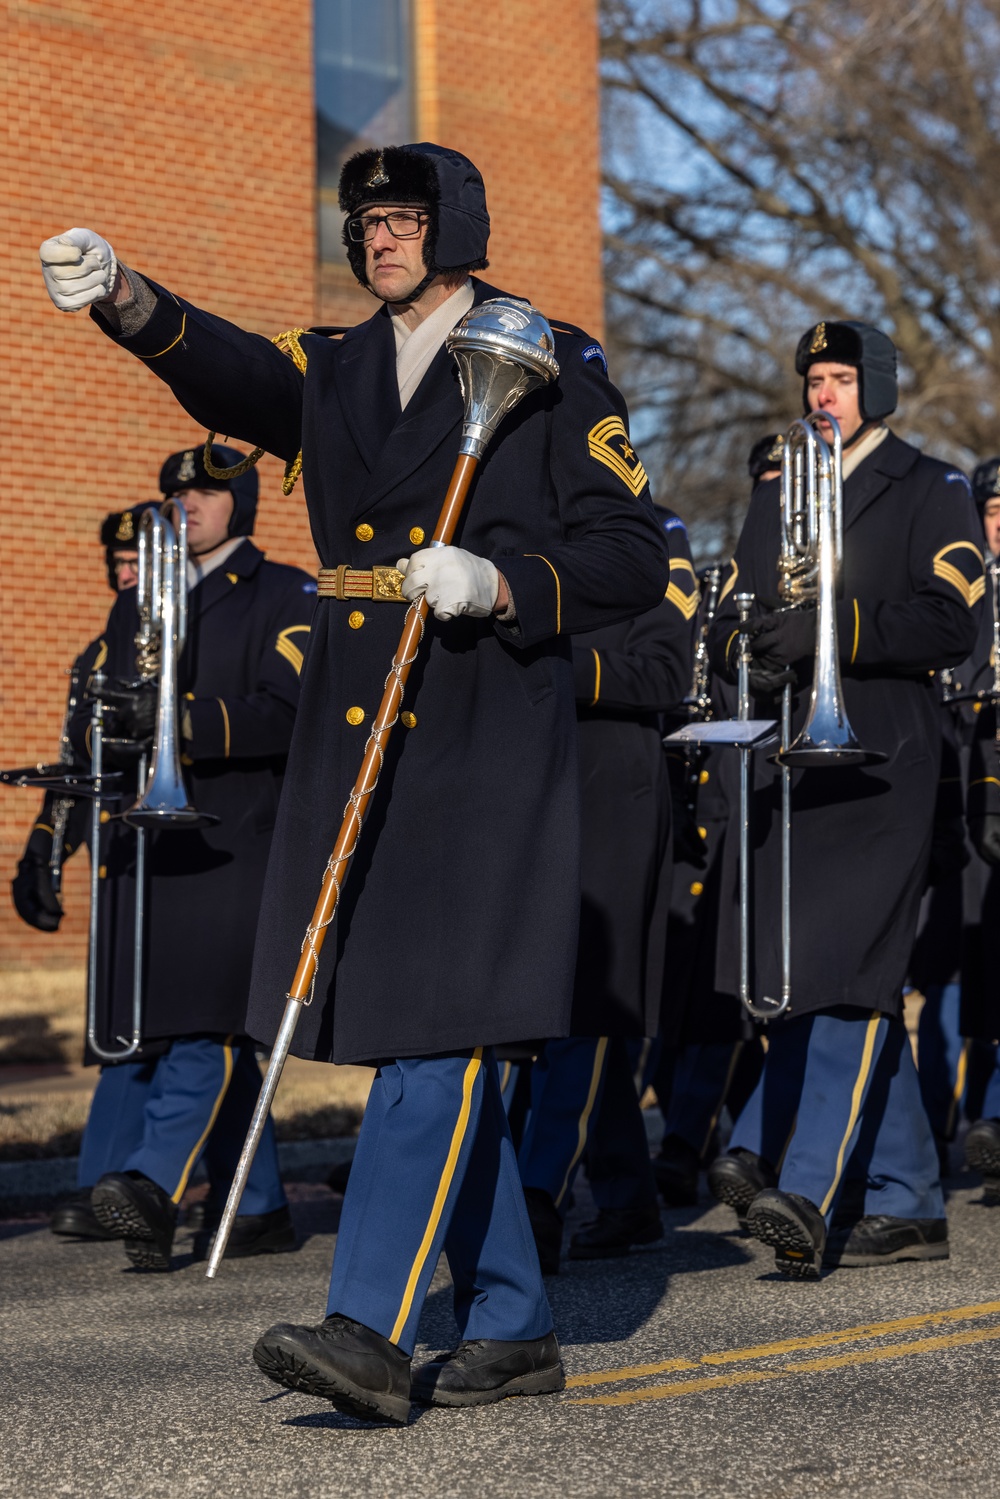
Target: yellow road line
[(790, 1345), (807, 1366)]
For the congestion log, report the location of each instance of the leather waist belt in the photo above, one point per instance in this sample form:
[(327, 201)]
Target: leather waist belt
[(383, 583)]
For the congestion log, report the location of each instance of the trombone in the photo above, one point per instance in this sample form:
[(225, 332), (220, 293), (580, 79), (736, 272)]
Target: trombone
[(809, 562), (161, 597)]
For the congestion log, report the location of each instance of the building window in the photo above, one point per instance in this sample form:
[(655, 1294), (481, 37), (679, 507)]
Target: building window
[(363, 94)]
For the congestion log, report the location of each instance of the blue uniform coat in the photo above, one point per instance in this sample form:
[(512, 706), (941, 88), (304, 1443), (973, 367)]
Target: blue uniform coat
[(458, 925), (910, 597)]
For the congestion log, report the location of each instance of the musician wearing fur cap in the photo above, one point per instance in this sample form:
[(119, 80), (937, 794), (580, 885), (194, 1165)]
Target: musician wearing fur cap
[(457, 929), (839, 1077)]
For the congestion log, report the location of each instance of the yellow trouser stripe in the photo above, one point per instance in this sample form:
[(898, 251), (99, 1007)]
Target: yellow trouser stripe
[(859, 1091), (227, 1052), (441, 1195), (961, 1072), (588, 1108)]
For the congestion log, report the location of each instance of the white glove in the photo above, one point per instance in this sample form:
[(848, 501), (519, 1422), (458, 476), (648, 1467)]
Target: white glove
[(79, 268), (454, 582)]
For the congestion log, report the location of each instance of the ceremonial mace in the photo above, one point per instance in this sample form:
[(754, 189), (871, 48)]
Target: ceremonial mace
[(503, 349)]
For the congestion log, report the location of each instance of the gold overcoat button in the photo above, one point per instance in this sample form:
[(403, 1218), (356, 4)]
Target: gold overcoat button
[(355, 619), (417, 535), (355, 716), (364, 532), (703, 778), (408, 720), (697, 887)]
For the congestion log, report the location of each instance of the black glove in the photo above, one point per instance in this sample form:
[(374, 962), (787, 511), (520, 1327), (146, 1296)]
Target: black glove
[(985, 834), (949, 854), (133, 713), (35, 901), (784, 636)]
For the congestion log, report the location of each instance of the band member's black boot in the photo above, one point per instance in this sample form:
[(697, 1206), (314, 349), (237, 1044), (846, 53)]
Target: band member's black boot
[(676, 1170), (982, 1153), (133, 1208), (737, 1177), (75, 1218), (251, 1233), (795, 1229), (614, 1231), (484, 1370), (881, 1240), (356, 1369)]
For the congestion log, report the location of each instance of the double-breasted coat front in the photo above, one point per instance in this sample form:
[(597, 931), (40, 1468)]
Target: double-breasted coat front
[(908, 604), (458, 923), (239, 675)]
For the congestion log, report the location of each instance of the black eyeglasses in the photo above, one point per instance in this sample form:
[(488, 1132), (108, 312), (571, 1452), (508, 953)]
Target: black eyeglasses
[(403, 223)]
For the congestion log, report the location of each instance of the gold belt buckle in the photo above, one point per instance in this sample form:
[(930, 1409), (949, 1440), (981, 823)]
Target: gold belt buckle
[(387, 583), (377, 583)]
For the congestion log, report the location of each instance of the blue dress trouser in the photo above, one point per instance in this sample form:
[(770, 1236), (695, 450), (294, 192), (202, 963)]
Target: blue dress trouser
[(434, 1170), (848, 1078), (702, 1076), (618, 1166), (567, 1081), (200, 1100), (115, 1120), (942, 1057)]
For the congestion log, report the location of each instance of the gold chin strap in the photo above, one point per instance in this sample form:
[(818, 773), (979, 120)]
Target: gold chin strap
[(288, 343)]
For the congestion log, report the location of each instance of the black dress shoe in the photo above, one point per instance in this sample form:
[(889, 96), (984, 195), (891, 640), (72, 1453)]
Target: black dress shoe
[(795, 1229), (547, 1227), (251, 1233), (485, 1370), (133, 1208), (982, 1153), (614, 1231), (356, 1369), (881, 1240), (676, 1170), (75, 1218), (738, 1176)]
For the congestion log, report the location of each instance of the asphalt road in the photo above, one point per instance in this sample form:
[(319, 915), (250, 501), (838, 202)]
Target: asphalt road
[(694, 1371)]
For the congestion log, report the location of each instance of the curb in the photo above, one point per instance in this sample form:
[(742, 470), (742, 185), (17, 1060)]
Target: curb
[(300, 1160)]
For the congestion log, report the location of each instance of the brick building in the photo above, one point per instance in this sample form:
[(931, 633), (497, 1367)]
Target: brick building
[(202, 139)]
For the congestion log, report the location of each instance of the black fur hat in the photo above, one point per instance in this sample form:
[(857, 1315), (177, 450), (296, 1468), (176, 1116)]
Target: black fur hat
[(120, 533), (446, 181), (986, 482), (766, 454), (872, 353), (186, 470)]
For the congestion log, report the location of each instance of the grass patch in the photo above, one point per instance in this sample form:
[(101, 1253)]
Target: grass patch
[(42, 1016)]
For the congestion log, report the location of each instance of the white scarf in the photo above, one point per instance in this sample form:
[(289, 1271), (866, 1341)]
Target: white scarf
[(416, 347), (863, 448)]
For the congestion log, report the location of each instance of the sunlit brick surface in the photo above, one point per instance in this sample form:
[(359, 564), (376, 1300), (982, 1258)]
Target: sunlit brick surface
[(184, 134)]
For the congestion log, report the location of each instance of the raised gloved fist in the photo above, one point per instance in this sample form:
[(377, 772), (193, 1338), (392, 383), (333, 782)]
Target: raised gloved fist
[(79, 267), (35, 901), (453, 582)]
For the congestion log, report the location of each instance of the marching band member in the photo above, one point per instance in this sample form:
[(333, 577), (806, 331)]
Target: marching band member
[(457, 929), (191, 1088), (839, 1065)]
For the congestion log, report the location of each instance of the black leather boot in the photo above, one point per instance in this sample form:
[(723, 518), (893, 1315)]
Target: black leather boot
[(75, 1218), (676, 1170), (613, 1232), (982, 1153), (251, 1233), (485, 1370), (795, 1229), (356, 1369), (133, 1208), (881, 1240), (736, 1178)]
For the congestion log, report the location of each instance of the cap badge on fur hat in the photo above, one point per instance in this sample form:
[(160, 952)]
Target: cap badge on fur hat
[(126, 530), (378, 176), (187, 472), (777, 451), (818, 343)]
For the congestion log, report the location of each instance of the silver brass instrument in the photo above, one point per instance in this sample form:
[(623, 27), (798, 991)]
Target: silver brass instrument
[(812, 528), (161, 598)]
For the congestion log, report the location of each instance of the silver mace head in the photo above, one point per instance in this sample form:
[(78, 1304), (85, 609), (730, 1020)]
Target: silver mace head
[(503, 349)]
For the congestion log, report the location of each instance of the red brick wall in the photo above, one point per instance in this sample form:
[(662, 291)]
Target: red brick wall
[(184, 134)]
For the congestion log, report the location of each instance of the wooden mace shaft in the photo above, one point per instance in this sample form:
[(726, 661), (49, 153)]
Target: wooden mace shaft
[(350, 827)]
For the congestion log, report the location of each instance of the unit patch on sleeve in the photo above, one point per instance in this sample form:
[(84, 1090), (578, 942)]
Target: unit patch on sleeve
[(961, 565), (609, 443), (594, 354)]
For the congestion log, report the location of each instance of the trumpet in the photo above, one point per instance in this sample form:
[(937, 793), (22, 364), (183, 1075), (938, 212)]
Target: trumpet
[(161, 597)]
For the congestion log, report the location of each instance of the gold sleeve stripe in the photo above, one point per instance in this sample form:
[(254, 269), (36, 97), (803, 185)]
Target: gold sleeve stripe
[(948, 573), (287, 647), (731, 584), (173, 343), (102, 656), (599, 447), (225, 721), (597, 678), (43, 827), (857, 631), (552, 570), (985, 781), (729, 643)]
